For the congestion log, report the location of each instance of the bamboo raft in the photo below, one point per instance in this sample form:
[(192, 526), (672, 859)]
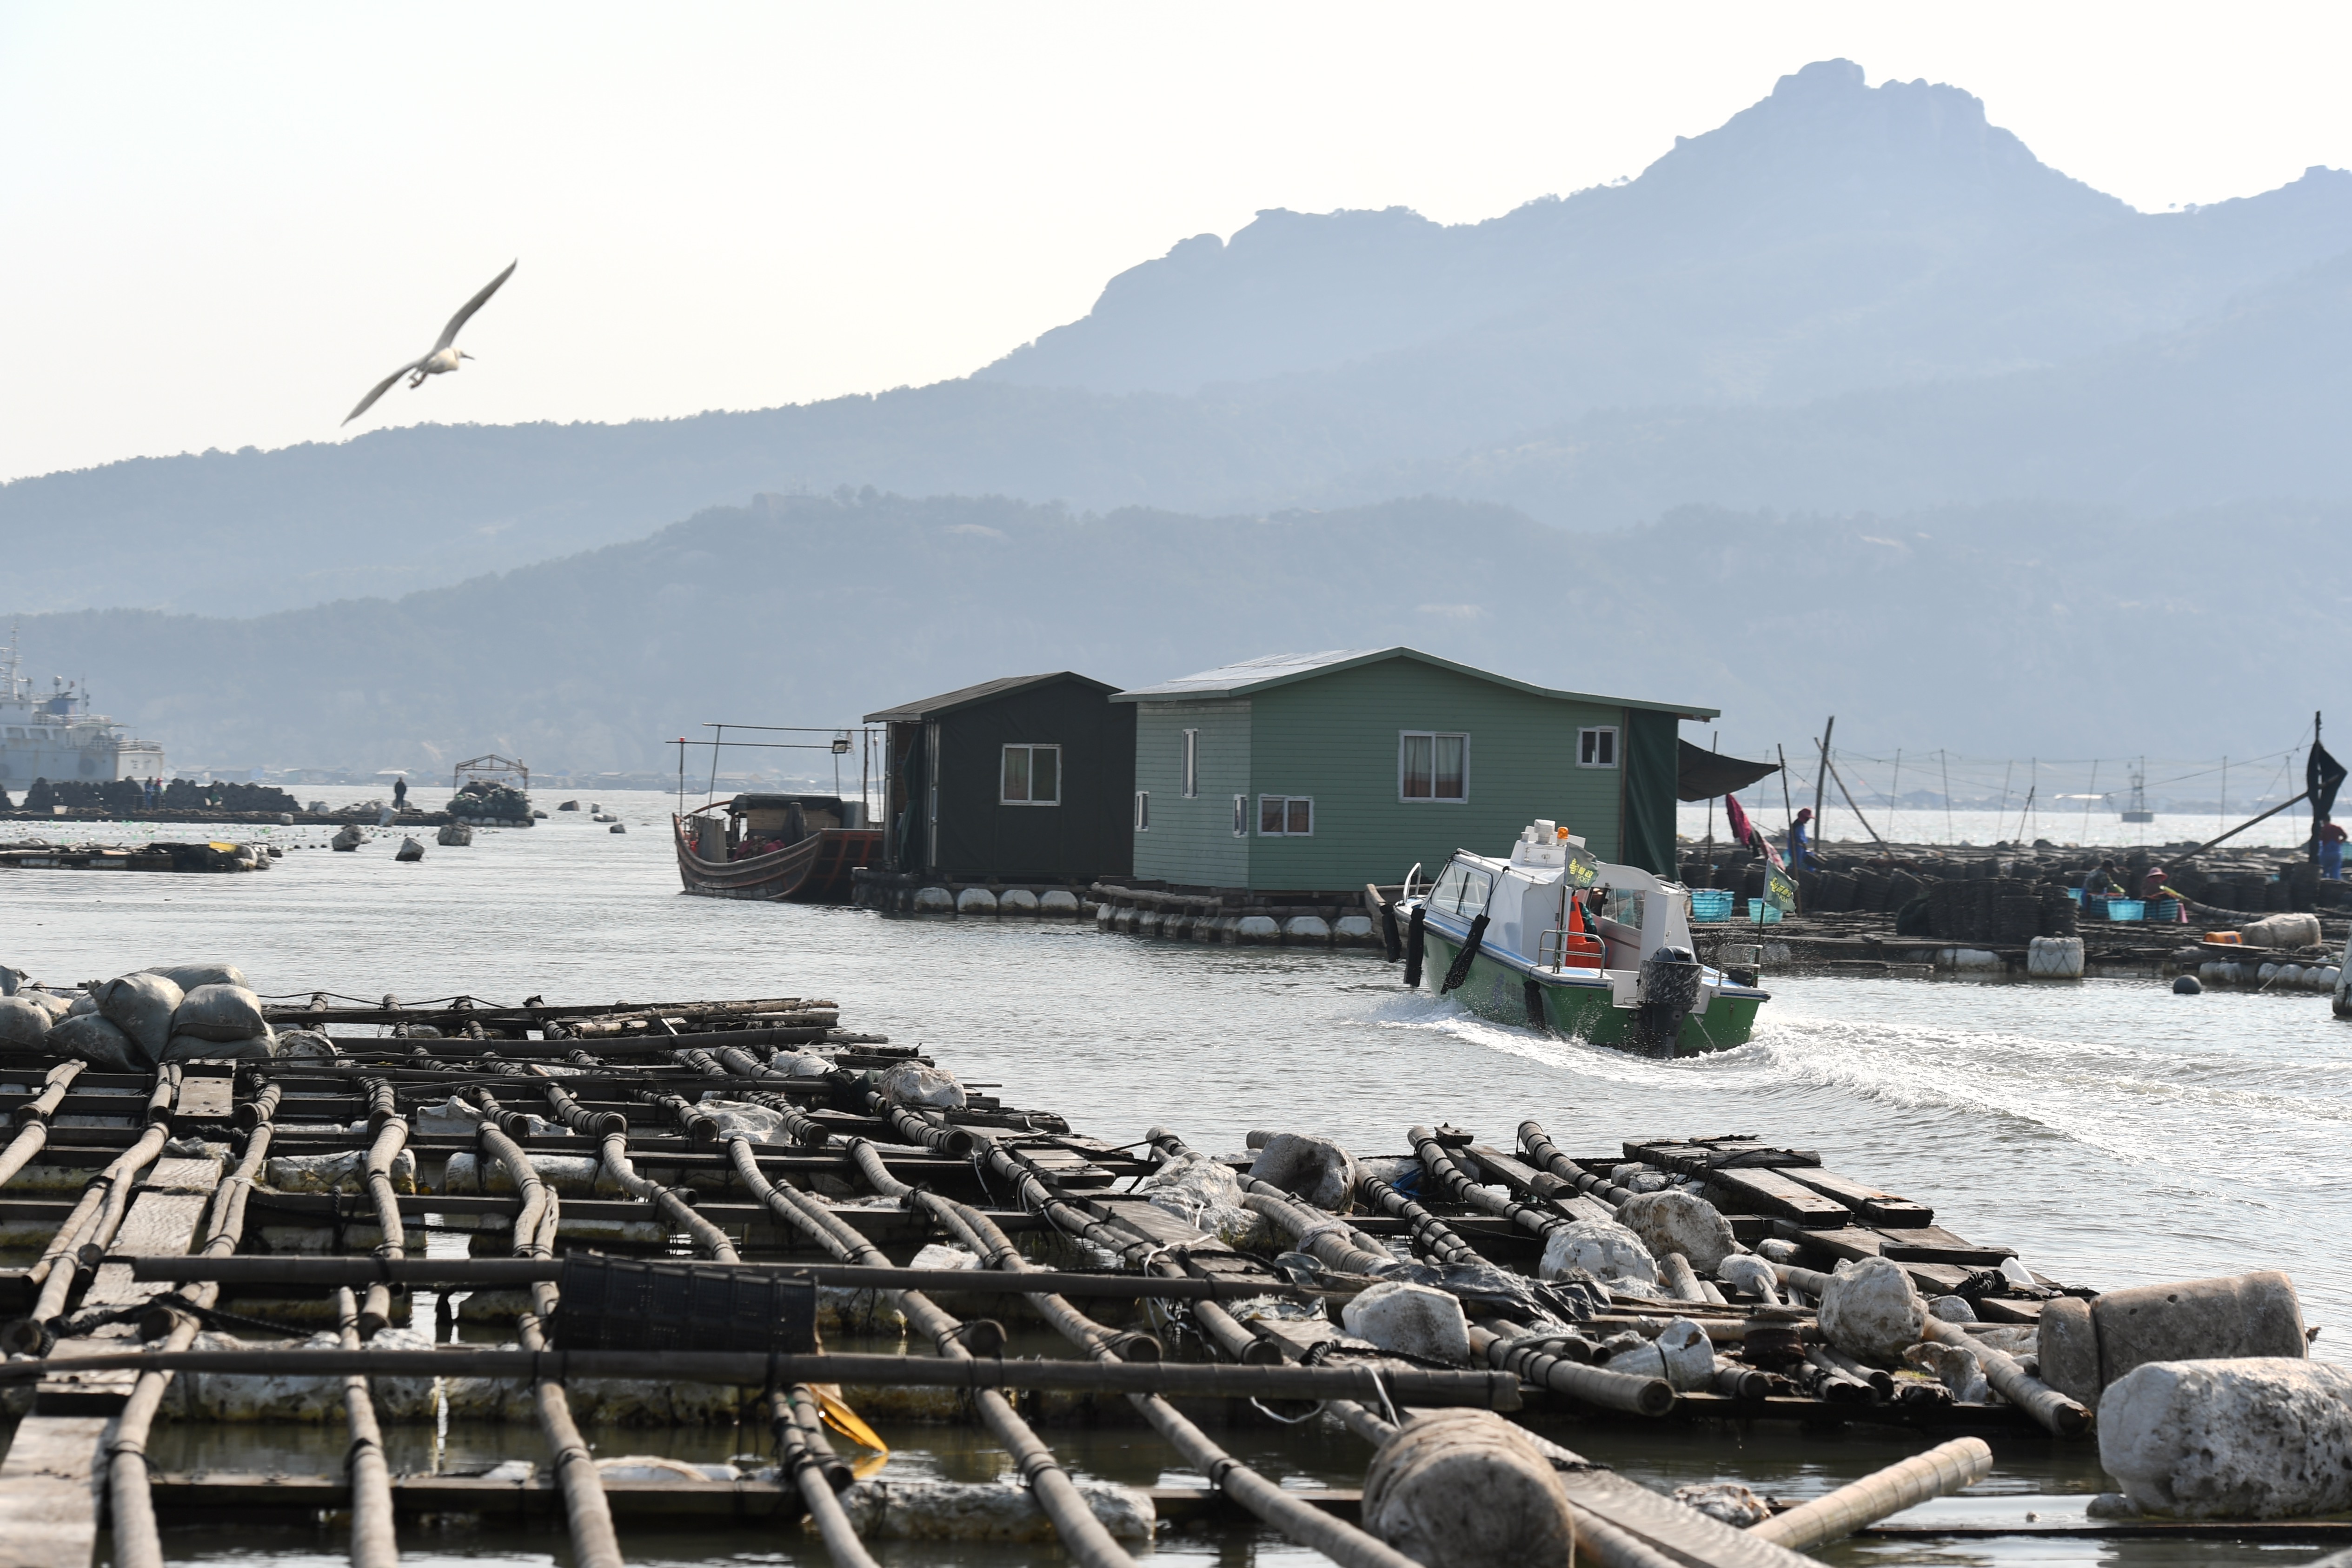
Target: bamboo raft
[(161, 1210)]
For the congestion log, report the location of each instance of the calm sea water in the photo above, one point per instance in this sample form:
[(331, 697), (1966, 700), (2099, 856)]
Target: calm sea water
[(2113, 1133)]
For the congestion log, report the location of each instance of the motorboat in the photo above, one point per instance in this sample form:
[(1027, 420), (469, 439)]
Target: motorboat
[(1552, 937)]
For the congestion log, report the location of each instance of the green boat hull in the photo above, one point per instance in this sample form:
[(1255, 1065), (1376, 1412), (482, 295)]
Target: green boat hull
[(1497, 990)]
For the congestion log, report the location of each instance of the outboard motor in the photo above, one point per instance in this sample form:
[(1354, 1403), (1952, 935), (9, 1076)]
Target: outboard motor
[(1670, 982)]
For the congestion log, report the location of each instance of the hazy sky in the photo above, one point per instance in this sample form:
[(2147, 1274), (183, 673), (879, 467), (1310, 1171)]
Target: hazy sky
[(221, 224)]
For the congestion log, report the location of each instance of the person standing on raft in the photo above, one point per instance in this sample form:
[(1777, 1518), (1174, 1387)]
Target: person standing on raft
[(2331, 852), (1801, 850), (400, 794)]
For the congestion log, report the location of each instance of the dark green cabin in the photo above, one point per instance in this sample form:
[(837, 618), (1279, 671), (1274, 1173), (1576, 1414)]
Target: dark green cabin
[(1026, 779), (1322, 772)]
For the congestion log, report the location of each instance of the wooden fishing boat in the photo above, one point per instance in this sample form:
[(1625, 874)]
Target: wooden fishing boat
[(1513, 938), (773, 846)]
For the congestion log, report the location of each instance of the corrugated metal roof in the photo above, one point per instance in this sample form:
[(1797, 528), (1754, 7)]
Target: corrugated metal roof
[(1282, 669), (1252, 673), (950, 702)]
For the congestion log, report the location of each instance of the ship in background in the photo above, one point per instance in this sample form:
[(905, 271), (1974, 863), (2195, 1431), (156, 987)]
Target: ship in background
[(54, 735)]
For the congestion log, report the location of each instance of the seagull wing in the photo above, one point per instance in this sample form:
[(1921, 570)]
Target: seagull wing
[(449, 332), (381, 388)]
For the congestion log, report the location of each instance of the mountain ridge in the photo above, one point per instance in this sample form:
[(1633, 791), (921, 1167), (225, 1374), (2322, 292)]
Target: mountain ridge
[(1684, 337), (2030, 626)]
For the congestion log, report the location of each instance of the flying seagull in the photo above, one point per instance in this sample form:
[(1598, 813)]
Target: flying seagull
[(444, 355)]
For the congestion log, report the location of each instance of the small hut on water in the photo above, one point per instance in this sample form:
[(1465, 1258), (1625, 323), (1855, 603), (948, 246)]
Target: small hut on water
[(1025, 779), (1327, 771)]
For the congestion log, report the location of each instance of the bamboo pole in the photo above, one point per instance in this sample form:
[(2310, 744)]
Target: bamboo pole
[(2053, 1409), (391, 1137), (588, 1516), (373, 1543), (33, 1119), (1431, 1236), (806, 1462), (1081, 1533), (130, 1503), (1821, 783), (1301, 1522), (1524, 1356), (615, 1151), (1940, 1471), (463, 1272), (1466, 1188), (1848, 795), (73, 1251), (1543, 1151), (1675, 1272)]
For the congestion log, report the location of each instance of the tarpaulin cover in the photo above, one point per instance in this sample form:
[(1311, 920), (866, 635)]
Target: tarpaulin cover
[(1702, 775)]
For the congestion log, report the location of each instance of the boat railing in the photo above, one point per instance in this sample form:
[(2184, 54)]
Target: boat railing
[(1555, 943)]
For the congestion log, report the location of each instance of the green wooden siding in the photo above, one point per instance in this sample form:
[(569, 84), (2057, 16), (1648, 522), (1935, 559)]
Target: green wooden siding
[(1335, 739), (1191, 842)]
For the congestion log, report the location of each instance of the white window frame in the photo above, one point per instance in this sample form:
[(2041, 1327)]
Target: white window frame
[(1432, 736), (1615, 743), (1143, 811), (1032, 748), (1189, 761), (1241, 816), (1287, 802)]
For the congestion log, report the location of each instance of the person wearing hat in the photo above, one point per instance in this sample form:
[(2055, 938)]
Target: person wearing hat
[(1800, 848)]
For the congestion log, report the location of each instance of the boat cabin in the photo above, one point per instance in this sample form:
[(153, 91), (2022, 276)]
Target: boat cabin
[(762, 823), (1025, 779), (1622, 915)]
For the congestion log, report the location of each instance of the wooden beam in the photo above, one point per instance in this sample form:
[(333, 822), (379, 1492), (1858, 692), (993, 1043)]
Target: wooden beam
[(50, 1488)]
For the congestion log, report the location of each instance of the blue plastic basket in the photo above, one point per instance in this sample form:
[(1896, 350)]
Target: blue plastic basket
[(1710, 903), (2076, 894), (1762, 913), (2126, 910)]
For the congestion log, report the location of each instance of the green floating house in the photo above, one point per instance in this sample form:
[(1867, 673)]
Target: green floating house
[(1322, 772)]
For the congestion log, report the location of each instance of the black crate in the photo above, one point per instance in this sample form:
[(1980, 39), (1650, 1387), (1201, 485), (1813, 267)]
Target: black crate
[(625, 1304)]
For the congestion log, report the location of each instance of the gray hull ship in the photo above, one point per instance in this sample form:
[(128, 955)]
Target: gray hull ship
[(54, 735)]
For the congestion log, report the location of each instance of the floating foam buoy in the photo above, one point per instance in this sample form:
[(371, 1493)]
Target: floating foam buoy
[(2186, 986), (618, 828)]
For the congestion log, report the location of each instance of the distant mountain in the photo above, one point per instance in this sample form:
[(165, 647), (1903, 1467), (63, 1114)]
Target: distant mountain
[(396, 510), (1846, 298), (2250, 401), (1996, 630), (1833, 237)]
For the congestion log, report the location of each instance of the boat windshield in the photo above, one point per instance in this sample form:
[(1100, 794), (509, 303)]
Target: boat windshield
[(1622, 905), (1461, 891)]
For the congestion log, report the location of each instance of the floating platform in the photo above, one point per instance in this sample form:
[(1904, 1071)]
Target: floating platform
[(217, 855), (181, 1236)]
